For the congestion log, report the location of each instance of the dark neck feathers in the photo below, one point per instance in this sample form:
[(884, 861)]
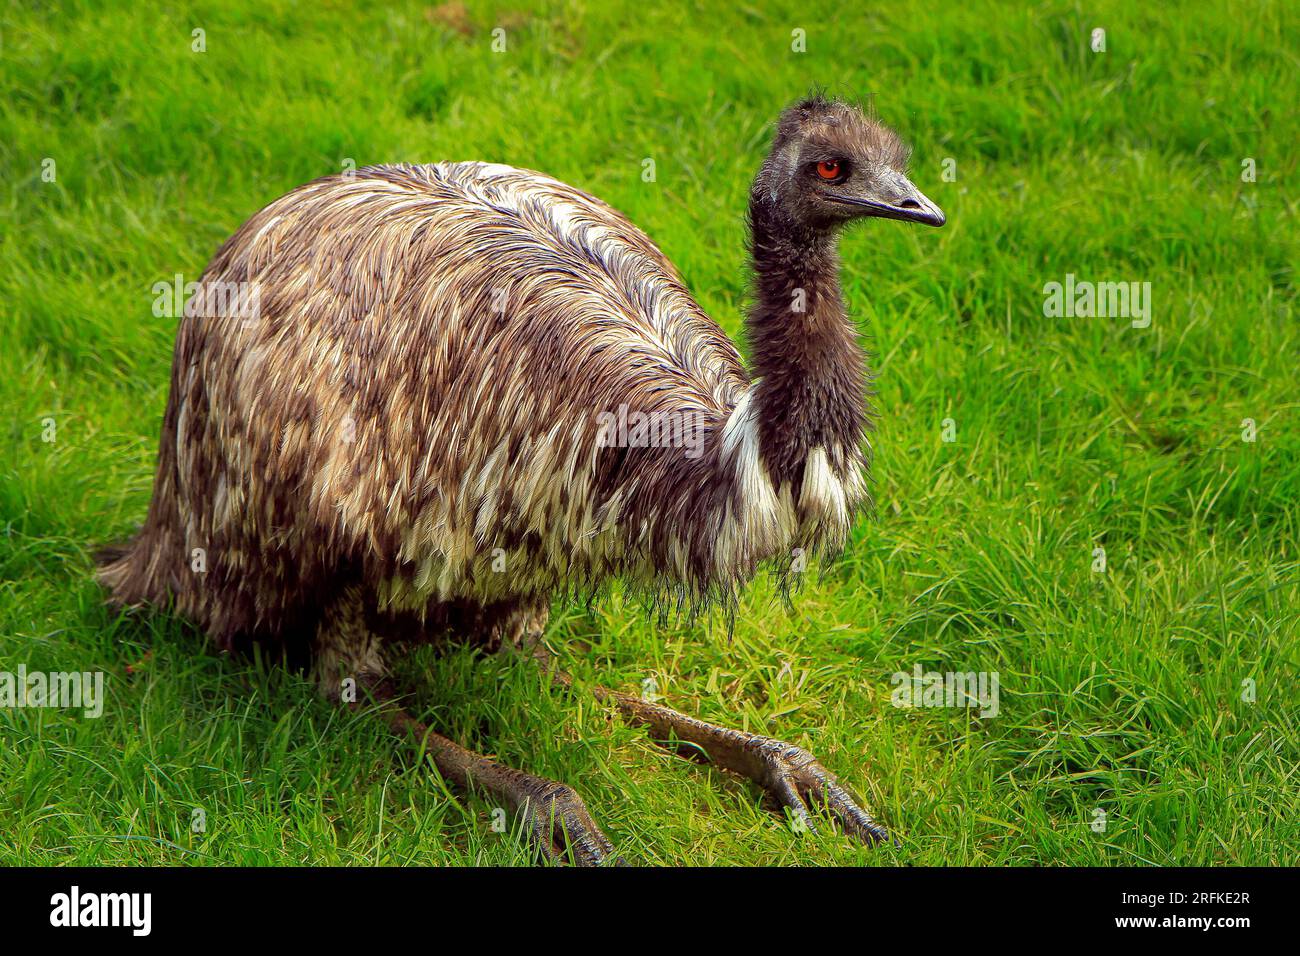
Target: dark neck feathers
[(803, 347)]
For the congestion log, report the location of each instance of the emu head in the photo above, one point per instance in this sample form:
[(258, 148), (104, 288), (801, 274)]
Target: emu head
[(831, 164)]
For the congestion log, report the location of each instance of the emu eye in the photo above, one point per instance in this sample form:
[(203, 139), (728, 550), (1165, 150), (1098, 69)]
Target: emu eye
[(829, 170)]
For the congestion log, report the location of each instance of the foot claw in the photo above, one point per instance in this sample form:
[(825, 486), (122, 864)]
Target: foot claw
[(797, 781), (564, 831)]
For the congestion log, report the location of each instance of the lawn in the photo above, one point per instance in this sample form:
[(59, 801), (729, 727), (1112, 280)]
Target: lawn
[(1149, 709)]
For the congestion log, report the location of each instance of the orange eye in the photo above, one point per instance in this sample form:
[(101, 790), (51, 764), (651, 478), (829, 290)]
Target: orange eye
[(829, 170)]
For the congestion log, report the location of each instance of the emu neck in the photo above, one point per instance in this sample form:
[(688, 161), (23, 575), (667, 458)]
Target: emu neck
[(804, 349)]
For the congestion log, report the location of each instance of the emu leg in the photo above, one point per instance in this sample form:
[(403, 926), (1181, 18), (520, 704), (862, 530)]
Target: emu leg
[(790, 775), (556, 819)]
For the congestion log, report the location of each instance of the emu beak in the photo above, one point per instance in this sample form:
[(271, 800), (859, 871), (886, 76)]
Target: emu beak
[(896, 198)]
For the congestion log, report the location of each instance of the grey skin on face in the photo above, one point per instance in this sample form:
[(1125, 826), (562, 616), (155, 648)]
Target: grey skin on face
[(403, 448), (888, 195)]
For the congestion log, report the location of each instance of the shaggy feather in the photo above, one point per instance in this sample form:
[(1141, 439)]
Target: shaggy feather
[(415, 408)]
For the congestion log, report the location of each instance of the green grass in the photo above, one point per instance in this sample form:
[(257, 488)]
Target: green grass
[(1121, 691)]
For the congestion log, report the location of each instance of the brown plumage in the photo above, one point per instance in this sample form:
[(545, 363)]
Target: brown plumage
[(409, 432)]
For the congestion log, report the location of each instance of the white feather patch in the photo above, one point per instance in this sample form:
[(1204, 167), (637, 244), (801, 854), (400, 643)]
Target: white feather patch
[(823, 491)]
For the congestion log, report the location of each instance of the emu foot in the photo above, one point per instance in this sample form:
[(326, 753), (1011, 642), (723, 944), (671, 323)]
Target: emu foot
[(794, 779), (792, 776), (559, 825), (555, 818)]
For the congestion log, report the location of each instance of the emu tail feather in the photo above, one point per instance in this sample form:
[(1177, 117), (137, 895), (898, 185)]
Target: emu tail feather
[(131, 572), (145, 569)]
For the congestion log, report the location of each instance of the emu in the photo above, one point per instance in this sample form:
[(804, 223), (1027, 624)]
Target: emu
[(402, 443)]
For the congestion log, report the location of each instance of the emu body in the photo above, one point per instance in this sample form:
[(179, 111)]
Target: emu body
[(407, 426), (416, 405)]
